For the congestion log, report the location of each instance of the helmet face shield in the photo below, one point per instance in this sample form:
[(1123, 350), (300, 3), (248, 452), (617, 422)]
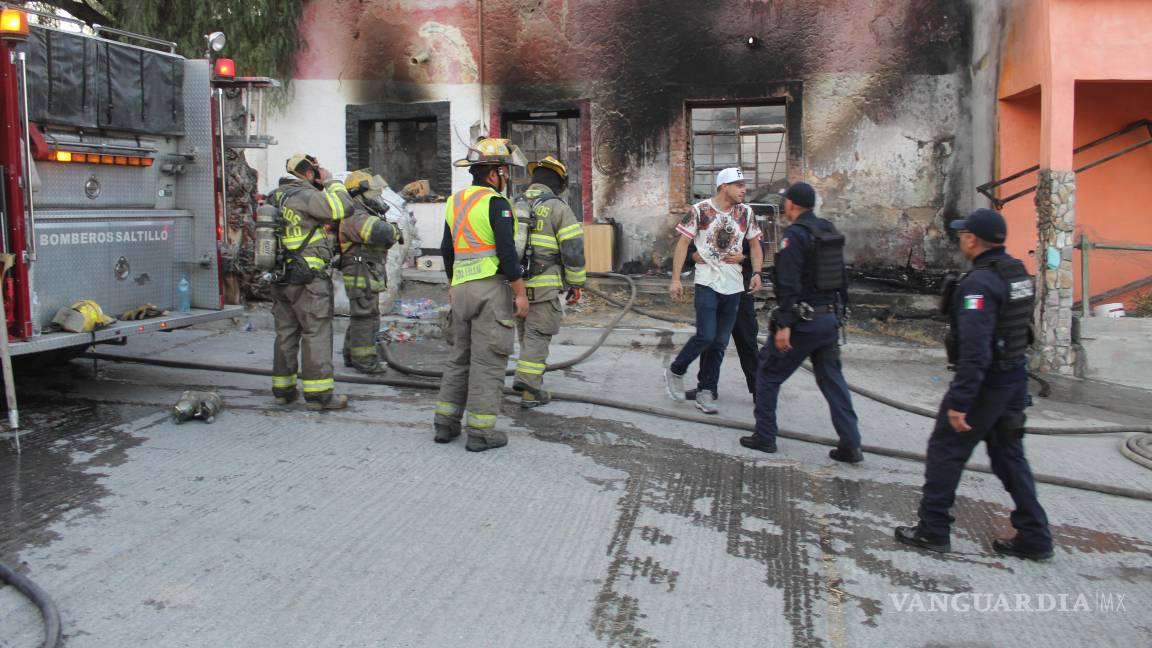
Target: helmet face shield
[(517, 157)]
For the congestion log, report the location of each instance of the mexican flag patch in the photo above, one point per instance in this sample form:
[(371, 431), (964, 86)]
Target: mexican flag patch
[(974, 302)]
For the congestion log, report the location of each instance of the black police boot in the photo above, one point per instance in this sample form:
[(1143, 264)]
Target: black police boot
[(754, 442), (480, 444), (911, 537), (1012, 547), (847, 455), (445, 433)]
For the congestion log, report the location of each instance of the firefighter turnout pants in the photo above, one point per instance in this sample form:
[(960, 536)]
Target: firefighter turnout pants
[(360, 349), (483, 330), (536, 333), (303, 314)]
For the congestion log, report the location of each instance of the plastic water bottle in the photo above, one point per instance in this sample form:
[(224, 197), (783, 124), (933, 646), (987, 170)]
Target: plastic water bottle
[(183, 291), (36, 330)]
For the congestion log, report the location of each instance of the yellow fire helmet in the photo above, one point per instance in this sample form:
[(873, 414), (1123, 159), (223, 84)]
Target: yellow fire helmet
[(493, 151), (550, 162), (301, 162), (82, 317), (376, 184)]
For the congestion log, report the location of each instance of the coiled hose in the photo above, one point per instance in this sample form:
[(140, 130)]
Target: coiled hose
[(625, 308), (48, 609)]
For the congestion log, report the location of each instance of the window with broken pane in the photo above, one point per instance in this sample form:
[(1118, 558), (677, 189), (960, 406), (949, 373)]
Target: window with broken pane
[(752, 137), (404, 150)]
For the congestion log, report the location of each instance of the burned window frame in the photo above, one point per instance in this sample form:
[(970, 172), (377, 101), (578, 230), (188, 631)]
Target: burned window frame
[(361, 123), (777, 168)]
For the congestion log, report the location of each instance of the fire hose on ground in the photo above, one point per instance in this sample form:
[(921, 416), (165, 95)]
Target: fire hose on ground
[(48, 610), (1055, 480)]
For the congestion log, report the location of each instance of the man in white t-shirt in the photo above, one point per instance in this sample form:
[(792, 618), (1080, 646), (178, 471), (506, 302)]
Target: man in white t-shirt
[(718, 226)]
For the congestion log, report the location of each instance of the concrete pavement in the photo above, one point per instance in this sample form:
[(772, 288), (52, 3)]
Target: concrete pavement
[(594, 527)]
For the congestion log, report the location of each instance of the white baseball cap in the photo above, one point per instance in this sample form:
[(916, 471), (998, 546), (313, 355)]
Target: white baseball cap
[(729, 175)]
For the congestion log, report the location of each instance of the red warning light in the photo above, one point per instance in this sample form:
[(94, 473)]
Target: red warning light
[(225, 69)]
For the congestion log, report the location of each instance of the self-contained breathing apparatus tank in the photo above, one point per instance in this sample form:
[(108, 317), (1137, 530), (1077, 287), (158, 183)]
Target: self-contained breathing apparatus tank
[(267, 237)]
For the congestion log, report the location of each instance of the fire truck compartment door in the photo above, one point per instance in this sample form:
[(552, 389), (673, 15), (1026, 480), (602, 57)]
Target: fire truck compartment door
[(121, 259)]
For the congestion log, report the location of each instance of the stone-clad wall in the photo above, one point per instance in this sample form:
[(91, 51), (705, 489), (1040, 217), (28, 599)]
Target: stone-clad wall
[(1056, 220)]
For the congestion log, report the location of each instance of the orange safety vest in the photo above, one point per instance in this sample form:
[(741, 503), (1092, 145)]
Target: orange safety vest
[(473, 241)]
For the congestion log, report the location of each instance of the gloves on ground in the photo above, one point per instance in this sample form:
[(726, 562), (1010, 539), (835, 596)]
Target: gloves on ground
[(142, 312)]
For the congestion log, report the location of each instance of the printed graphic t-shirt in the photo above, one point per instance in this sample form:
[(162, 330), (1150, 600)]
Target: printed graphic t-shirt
[(716, 235)]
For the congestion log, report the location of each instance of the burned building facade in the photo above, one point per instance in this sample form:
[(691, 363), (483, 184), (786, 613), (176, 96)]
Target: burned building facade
[(885, 106)]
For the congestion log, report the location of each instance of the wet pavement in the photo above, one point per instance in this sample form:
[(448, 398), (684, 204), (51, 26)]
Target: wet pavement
[(594, 527)]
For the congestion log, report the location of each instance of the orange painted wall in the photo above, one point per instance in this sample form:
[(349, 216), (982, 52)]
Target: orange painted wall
[(1073, 71), (1024, 56), (1020, 149), (1101, 39), (1114, 200)]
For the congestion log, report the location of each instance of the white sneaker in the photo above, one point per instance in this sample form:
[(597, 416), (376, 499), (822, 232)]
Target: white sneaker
[(674, 383), (706, 401)]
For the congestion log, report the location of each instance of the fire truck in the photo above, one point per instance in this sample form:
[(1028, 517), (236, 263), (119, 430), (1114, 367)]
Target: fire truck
[(112, 176)]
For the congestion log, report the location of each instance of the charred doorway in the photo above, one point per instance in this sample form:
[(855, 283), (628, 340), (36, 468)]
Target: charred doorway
[(539, 134)]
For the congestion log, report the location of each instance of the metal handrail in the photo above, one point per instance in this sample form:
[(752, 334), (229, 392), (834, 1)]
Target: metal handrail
[(98, 29), (986, 188), (1085, 246)]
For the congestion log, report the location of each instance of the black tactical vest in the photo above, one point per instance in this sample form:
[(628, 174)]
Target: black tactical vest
[(1014, 323), (824, 261), (1013, 333)]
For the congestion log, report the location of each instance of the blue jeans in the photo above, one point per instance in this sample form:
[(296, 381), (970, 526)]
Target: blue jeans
[(715, 317), (818, 339)]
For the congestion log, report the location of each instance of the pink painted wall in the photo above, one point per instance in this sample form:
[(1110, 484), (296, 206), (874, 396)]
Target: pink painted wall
[(374, 40)]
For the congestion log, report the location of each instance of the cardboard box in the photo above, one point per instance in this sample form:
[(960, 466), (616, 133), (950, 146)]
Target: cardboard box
[(599, 239)]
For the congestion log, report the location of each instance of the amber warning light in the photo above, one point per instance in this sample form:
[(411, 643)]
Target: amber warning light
[(225, 69), (13, 24)]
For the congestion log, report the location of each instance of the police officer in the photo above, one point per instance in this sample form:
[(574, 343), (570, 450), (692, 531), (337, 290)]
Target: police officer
[(990, 313), (553, 260), (365, 237), (302, 304), (486, 294), (811, 287)]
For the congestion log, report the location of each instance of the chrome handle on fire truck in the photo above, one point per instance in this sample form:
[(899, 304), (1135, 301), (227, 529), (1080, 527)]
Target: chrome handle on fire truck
[(27, 178), (99, 29)]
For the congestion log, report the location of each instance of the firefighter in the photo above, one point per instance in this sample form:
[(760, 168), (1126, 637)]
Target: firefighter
[(364, 241), (486, 295), (302, 304), (553, 260)]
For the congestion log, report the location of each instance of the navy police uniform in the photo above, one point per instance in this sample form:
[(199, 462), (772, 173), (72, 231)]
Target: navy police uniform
[(990, 315), (814, 336)]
